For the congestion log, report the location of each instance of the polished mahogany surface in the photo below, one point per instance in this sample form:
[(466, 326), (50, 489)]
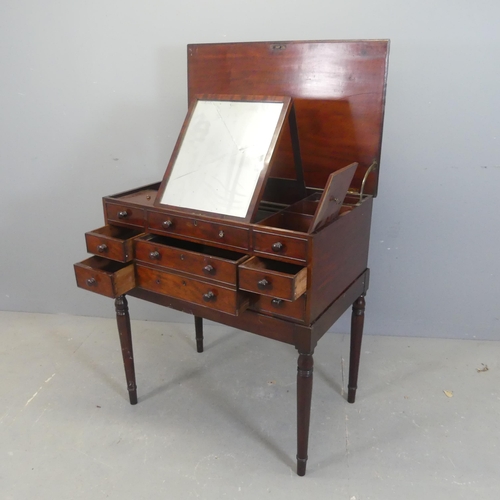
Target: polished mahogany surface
[(291, 271), (338, 89)]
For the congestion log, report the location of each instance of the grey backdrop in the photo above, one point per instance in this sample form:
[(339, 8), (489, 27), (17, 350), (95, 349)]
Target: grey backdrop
[(93, 93)]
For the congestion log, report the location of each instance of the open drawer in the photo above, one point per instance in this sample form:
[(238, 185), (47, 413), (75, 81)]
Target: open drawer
[(186, 256), (105, 276), (112, 242), (273, 278)]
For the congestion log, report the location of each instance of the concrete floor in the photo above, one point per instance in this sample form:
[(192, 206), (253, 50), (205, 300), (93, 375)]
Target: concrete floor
[(222, 424)]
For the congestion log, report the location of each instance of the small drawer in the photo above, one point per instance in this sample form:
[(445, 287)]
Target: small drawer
[(295, 310), (199, 292), (221, 235), (112, 242), (186, 256), (276, 244), (105, 276), (124, 215), (273, 278)]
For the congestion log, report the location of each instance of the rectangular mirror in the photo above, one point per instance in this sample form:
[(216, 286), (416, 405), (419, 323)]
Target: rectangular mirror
[(223, 155)]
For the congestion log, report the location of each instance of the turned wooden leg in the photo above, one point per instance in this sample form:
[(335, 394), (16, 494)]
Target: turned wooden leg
[(357, 321), (123, 321), (198, 326), (304, 393)]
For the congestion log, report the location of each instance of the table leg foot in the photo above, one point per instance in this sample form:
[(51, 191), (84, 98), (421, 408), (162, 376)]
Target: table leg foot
[(304, 394), (357, 321), (125, 332), (198, 326), (301, 466)]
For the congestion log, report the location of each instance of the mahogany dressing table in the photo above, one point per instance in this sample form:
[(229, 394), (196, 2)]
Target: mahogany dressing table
[(262, 220)]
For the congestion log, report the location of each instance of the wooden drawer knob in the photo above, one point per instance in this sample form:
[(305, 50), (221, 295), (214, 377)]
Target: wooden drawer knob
[(123, 214), (167, 224), (208, 269), (277, 302), (102, 248), (209, 297), (263, 284), (278, 246), (155, 255), (91, 282)]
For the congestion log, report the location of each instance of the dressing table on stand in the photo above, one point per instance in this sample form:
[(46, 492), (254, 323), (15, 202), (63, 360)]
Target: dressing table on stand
[(262, 220)]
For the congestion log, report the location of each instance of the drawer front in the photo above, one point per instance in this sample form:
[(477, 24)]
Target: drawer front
[(124, 215), (105, 277), (192, 228), (192, 290), (272, 278), (287, 247), (188, 261), (115, 243), (295, 310)]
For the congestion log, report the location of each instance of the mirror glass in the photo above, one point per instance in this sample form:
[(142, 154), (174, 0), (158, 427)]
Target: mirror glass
[(224, 150)]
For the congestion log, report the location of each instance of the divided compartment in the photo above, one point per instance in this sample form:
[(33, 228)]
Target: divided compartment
[(266, 209), (317, 210), (142, 196), (112, 242), (292, 221), (309, 205), (273, 278), (186, 256), (105, 276)]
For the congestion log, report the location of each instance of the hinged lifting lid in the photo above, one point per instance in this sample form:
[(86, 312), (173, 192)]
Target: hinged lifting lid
[(338, 89)]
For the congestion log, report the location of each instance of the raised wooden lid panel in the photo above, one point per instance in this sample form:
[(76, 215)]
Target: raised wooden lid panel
[(338, 88)]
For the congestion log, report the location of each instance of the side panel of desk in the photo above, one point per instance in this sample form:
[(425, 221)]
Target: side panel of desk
[(339, 256)]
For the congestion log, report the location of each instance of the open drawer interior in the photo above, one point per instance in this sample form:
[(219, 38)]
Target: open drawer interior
[(186, 256), (104, 276), (190, 246), (318, 209), (112, 242), (273, 278)]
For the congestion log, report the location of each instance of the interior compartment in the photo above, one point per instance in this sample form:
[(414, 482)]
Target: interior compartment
[(273, 278), (289, 220), (144, 196), (307, 207), (282, 191), (272, 265), (300, 215), (102, 264), (117, 233), (266, 209)]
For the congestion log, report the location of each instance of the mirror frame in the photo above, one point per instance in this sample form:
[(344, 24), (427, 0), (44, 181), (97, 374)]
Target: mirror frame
[(268, 160)]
